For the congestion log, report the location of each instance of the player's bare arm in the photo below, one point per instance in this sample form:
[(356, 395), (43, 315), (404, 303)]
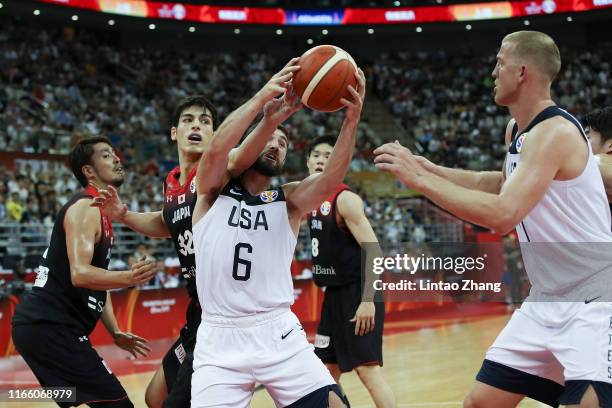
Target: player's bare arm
[(135, 345), (150, 224), (307, 194), (487, 181), (83, 230), (553, 150), (350, 208), (276, 111)]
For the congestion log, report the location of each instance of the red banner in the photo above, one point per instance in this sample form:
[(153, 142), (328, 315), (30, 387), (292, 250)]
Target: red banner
[(279, 16)]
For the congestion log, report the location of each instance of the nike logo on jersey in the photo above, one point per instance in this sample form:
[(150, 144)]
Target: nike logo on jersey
[(286, 334), (591, 300), (181, 213), (232, 191)]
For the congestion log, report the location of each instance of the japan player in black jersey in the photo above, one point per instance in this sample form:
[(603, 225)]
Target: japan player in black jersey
[(194, 122), (349, 336), (598, 125), (52, 324)]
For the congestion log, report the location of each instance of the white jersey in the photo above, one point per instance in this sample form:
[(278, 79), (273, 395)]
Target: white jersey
[(572, 213), (243, 250)]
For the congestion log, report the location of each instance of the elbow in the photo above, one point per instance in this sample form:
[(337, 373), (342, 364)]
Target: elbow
[(505, 220), (76, 277)]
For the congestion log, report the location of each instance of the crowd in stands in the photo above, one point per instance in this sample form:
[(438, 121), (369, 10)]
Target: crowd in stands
[(445, 100)]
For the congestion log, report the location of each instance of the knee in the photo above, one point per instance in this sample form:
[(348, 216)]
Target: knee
[(367, 373)]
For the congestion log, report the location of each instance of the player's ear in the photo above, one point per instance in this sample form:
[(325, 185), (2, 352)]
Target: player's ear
[(88, 171), (173, 133), (608, 146)]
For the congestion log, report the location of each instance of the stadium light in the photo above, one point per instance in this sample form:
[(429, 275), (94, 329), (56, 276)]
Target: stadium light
[(370, 31), (236, 31), (324, 31), (419, 29), (37, 12), (1, 5), (309, 41), (151, 26), (75, 18), (468, 27), (526, 22), (192, 29), (111, 22), (396, 3), (569, 19), (279, 31)]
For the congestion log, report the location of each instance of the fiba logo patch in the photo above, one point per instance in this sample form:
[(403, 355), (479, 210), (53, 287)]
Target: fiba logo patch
[(268, 196), (325, 208), (519, 142), (192, 186)]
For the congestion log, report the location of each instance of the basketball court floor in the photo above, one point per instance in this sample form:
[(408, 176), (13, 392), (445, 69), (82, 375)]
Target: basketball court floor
[(429, 362)]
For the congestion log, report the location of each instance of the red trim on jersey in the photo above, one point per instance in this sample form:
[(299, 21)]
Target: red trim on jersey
[(93, 191), (173, 186)]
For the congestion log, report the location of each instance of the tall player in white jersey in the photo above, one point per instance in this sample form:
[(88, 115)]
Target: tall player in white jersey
[(244, 238), (556, 348)]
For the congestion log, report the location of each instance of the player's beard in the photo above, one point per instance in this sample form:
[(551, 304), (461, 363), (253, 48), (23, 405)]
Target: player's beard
[(266, 168)]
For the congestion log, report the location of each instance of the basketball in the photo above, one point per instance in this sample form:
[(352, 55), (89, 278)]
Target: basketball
[(323, 79)]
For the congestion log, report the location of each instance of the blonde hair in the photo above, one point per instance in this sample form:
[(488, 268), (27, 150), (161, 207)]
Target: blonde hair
[(538, 48)]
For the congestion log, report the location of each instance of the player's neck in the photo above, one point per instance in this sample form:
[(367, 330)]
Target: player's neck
[(528, 108), (254, 181), (186, 164)]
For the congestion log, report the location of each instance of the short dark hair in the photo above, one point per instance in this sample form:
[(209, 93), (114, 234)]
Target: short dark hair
[(81, 154), (196, 100), (600, 120), (330, 140), (254, 125)]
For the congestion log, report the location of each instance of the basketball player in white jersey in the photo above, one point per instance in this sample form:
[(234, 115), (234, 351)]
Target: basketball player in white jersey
[(556, 348), (245, 235)]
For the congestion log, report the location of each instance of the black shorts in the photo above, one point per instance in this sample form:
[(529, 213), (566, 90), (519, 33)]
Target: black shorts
[(61, 356), (178, 361), (336, 342)]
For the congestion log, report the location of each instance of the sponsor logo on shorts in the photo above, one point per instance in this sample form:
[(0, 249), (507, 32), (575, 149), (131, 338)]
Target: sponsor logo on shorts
[(268, 196), (180, 353), (321, 341), (325, 208)]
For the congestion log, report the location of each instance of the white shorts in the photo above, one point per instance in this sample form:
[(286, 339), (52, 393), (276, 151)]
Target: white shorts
[(559, 341), (232, 354)]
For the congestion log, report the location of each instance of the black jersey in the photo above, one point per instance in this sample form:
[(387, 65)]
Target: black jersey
[(53, 298), (336, 255), (179, 202)]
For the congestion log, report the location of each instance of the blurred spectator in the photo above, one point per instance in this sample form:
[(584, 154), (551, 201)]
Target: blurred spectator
[(14, 207)]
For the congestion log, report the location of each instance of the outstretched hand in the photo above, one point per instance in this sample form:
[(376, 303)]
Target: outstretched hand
[(110, 203), (136, 345), (280, 109), (278, 84), (354, 106), (399, 160)]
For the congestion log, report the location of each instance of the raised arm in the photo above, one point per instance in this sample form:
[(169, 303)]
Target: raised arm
[(556, 142), (487, 181), (276, 111), (307, 194), (82, 226), (215, 160), (150, 224)]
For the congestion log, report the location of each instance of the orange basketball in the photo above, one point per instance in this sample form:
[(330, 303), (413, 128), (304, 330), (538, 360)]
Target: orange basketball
[(325, 73)]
